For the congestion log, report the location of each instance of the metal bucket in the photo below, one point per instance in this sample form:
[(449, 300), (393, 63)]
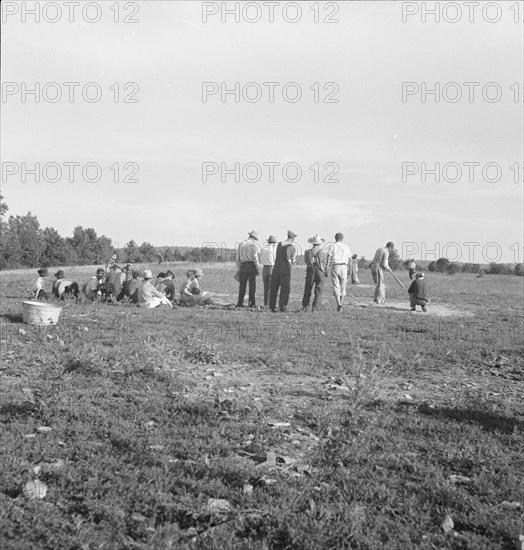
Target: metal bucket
[(40, 313)]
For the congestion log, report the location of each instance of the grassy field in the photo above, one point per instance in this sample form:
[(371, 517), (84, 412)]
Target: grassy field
[(211, 428)]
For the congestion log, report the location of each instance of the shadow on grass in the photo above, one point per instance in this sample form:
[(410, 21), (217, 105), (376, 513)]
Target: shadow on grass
[(490, 421), (13, 317)]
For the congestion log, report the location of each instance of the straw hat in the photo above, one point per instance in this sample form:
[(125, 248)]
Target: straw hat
[(271, 239), (291, 234), (148, 274), (253, 235), (315, 239), (59, 274)]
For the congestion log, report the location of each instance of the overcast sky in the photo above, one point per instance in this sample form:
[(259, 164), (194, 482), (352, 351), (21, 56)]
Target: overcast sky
[(368, 134)]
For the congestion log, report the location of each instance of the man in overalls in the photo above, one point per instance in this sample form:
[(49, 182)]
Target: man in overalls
[(285, 257), (315, 274)]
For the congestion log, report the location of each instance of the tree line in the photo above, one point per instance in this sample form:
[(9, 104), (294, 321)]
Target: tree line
[(24, 243)]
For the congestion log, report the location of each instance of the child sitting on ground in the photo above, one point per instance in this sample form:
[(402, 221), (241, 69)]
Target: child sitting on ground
[(38, 288)]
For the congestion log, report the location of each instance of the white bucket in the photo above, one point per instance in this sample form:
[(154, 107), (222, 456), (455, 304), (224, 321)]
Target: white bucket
[(40, 313)]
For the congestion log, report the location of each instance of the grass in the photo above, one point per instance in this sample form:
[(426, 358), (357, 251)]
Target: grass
[(320, 431)]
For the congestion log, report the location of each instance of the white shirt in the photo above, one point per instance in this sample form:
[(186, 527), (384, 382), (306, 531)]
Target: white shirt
[(247, 251), (338, 253), (267, 256)]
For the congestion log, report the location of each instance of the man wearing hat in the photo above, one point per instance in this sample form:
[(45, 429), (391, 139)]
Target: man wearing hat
[(419, 292), (248, 268), (378, 265), (315, 274), (91, 289), (285, 257), (339, 257), (61, 286), (148, 296), (38, 288), (267, 259)]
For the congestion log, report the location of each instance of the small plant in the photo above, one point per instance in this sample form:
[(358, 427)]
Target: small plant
[(199, 351)]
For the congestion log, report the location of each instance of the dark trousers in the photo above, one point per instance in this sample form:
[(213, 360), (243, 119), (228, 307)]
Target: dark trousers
[(247, 272), (414, 301), (411, 273), (280, 279), (267, 270), (314, 277)]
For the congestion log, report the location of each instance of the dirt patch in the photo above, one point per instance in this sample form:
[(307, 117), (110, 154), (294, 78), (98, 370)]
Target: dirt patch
[(438, 310)]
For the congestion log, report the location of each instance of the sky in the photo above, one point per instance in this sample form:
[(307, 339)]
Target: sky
[(372, 150)]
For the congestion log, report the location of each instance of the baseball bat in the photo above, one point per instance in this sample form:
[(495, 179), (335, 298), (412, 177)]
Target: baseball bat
[(397, 279)]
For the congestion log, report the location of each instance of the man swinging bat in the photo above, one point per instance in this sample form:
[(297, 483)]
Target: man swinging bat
[(378, 266)]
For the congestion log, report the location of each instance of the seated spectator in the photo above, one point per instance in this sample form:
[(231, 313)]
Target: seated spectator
[(64, 287), (117, 278), (159, 279), (190, 294), (167, 286), (131, 286), (91, 289), (419, 293), (39, 292), (148, 295)]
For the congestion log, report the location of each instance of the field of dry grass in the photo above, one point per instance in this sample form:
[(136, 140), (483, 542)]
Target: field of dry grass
[(216, 428)]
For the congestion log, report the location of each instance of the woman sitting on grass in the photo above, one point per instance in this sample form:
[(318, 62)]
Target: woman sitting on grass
[(190, 294), (148, 295)]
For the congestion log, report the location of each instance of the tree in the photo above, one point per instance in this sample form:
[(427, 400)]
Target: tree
[(131, 252), (500, 269), (442, 265), (77, 244), (519, 269), (470, 268), (55, 251), (29, 240), (453, 268), (209, 254), (104, 249), (147, 252), (11, 250), (168, 255), (194, 254), (3, 207)]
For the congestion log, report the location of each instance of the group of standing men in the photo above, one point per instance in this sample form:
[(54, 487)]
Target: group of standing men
[(276, 260)]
